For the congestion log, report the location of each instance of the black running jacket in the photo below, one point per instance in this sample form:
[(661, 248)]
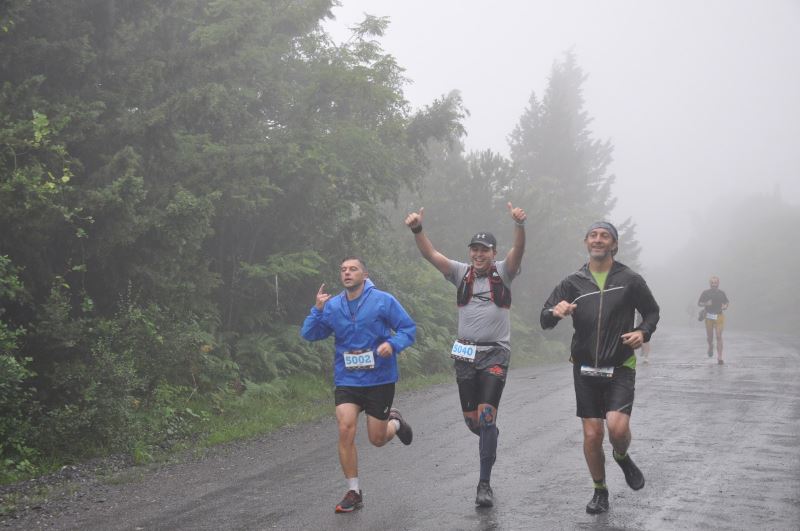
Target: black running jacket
[(601, 317)]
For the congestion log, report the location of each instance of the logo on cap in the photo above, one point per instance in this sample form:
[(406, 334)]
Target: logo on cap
[(484, 238)]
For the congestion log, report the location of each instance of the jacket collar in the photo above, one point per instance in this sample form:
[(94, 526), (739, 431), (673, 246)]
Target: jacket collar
[(615, 267), (368, 286)]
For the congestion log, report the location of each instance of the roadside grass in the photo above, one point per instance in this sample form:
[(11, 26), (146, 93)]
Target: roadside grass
[(264, 409), (297, 400)]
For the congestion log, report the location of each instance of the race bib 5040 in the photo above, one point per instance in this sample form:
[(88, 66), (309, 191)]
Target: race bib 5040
[(463, 351)]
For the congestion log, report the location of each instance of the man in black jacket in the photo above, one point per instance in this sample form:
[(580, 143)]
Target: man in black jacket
[(602, 298), (714, 302)]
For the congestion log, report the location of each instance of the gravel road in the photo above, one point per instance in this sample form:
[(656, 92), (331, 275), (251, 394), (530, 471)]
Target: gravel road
[(718, 445)]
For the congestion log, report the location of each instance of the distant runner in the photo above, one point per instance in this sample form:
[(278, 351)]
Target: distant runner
[(362, 319), (714, 301), (601, 297), (482, 350)]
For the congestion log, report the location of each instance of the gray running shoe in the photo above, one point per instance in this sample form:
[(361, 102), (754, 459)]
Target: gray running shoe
[(404, 433), (351, 501), (485, 497), (599, 503)]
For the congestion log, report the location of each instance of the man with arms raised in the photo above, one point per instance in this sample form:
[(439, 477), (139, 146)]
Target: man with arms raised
[(602, 298), (370, 328), (483, 349)]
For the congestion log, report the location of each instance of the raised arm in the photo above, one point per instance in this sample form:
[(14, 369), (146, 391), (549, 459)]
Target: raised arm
[(314, 327), (439, 261), (514, 256)]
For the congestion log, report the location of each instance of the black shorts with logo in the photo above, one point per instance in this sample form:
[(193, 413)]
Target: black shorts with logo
[(482, 381), (375, 400), (595, 396)]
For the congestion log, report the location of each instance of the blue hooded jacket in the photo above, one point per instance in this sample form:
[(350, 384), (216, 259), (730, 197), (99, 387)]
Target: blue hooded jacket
[(378, 314)]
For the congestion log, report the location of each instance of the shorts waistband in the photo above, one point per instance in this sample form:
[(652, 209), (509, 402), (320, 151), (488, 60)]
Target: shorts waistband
[(480, 343)]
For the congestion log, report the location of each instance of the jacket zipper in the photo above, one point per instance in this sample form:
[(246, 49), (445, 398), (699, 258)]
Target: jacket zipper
[(599, 319)]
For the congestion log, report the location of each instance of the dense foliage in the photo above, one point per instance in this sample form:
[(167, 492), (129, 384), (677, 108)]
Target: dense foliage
[(177, 178)]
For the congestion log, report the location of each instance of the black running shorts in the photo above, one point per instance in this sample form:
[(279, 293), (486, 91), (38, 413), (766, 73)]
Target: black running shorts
[(482, 382), (375, 401), (595, 395)]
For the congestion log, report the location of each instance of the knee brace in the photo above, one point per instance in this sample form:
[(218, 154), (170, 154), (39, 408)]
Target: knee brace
[(486, 417)]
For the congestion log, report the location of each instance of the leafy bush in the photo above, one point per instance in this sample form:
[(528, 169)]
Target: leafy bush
[(16, 408)]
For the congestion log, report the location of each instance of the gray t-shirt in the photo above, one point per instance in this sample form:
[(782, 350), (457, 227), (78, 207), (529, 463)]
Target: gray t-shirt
[(481, 320)]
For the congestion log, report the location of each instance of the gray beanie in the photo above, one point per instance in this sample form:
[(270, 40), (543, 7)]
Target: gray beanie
[(603, 225)]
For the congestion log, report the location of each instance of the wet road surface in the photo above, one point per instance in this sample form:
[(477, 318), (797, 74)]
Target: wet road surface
[(719, 446)]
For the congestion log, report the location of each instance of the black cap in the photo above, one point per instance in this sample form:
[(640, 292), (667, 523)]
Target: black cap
[(484, 238)]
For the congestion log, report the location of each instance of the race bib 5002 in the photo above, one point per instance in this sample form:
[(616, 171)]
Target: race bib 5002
[(359, 360)]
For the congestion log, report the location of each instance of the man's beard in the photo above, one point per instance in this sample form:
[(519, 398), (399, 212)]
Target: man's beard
[(354, 287)]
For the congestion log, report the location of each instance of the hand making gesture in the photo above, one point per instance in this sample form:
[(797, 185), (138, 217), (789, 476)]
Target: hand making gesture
[(414, 219), (517, 214), (322, 297)]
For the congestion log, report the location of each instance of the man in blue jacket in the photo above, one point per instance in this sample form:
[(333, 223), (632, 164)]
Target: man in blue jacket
[(602, 297), (370, 328)]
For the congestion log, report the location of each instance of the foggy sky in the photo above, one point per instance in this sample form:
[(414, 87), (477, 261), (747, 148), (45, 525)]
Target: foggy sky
[(701, 100)]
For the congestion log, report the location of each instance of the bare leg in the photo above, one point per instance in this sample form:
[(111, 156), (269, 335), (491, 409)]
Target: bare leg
[(346, 417), (593, 433), (619, 431), (380, 432)]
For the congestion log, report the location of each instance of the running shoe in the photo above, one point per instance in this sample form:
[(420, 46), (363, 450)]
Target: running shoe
[(599, 503), (485, 497), (404, 433), (351, 501), (720, 362), (633, 476), (710, 351)]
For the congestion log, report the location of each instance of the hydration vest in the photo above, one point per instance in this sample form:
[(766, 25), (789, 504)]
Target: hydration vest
[(499, 293)]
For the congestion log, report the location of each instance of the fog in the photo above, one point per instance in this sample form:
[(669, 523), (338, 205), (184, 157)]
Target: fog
[(701, 101)]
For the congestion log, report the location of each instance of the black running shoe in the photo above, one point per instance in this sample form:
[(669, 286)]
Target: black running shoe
[(633, 476), (404, 433), (485, 497), (351, 501), (599, 503)]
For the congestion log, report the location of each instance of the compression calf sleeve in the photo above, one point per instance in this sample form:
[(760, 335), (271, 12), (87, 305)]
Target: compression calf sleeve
[(487, 449)]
